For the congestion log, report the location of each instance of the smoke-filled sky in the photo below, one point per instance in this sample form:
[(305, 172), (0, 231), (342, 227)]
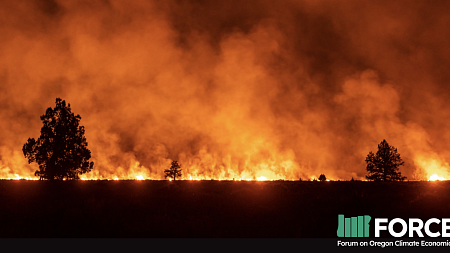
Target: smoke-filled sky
[(231, 89)]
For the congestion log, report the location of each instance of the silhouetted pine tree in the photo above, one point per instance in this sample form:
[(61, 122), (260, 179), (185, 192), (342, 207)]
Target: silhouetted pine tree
[(61, 151), (174, 171), (384, 165)]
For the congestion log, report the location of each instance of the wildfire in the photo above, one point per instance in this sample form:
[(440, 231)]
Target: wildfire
[(434, 166), (17, 177), (190, 178), (140, 177), (436, 177), (261, 178)]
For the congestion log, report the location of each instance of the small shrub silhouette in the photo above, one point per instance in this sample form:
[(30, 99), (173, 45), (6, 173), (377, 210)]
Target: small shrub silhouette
[(322, 177)]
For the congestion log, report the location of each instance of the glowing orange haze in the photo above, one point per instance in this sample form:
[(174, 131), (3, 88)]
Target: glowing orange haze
[(230, 89)]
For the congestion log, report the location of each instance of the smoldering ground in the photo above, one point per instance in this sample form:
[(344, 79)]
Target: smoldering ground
[(230, 89)]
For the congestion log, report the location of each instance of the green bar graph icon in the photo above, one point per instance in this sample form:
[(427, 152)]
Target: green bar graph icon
[(360, 226), (347, 227), (366, 225), (340, 231), (353, 226)]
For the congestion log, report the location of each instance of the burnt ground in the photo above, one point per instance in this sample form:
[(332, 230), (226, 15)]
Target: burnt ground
[(208, 209)]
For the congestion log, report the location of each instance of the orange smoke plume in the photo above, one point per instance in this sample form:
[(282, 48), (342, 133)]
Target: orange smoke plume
[(231, 90)]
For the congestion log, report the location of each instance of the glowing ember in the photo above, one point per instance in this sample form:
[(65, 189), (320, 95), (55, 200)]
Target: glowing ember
[(140, 177), (435, 177)]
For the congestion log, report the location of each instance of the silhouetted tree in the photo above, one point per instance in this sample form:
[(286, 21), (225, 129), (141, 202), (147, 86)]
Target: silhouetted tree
[(384, 165), (174, 171), (61, 151), (322, 177)]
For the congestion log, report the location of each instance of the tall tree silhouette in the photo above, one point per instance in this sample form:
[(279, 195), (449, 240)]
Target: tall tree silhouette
[(174, 171), (61, 150), (384, 165)]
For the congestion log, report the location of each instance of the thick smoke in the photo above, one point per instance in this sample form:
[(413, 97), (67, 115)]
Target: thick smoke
[(231, 89)]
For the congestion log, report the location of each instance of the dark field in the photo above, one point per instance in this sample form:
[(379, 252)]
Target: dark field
[(207, 208)]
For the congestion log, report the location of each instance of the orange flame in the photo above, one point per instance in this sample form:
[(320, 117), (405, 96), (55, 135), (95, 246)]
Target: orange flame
[(436, 177)]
